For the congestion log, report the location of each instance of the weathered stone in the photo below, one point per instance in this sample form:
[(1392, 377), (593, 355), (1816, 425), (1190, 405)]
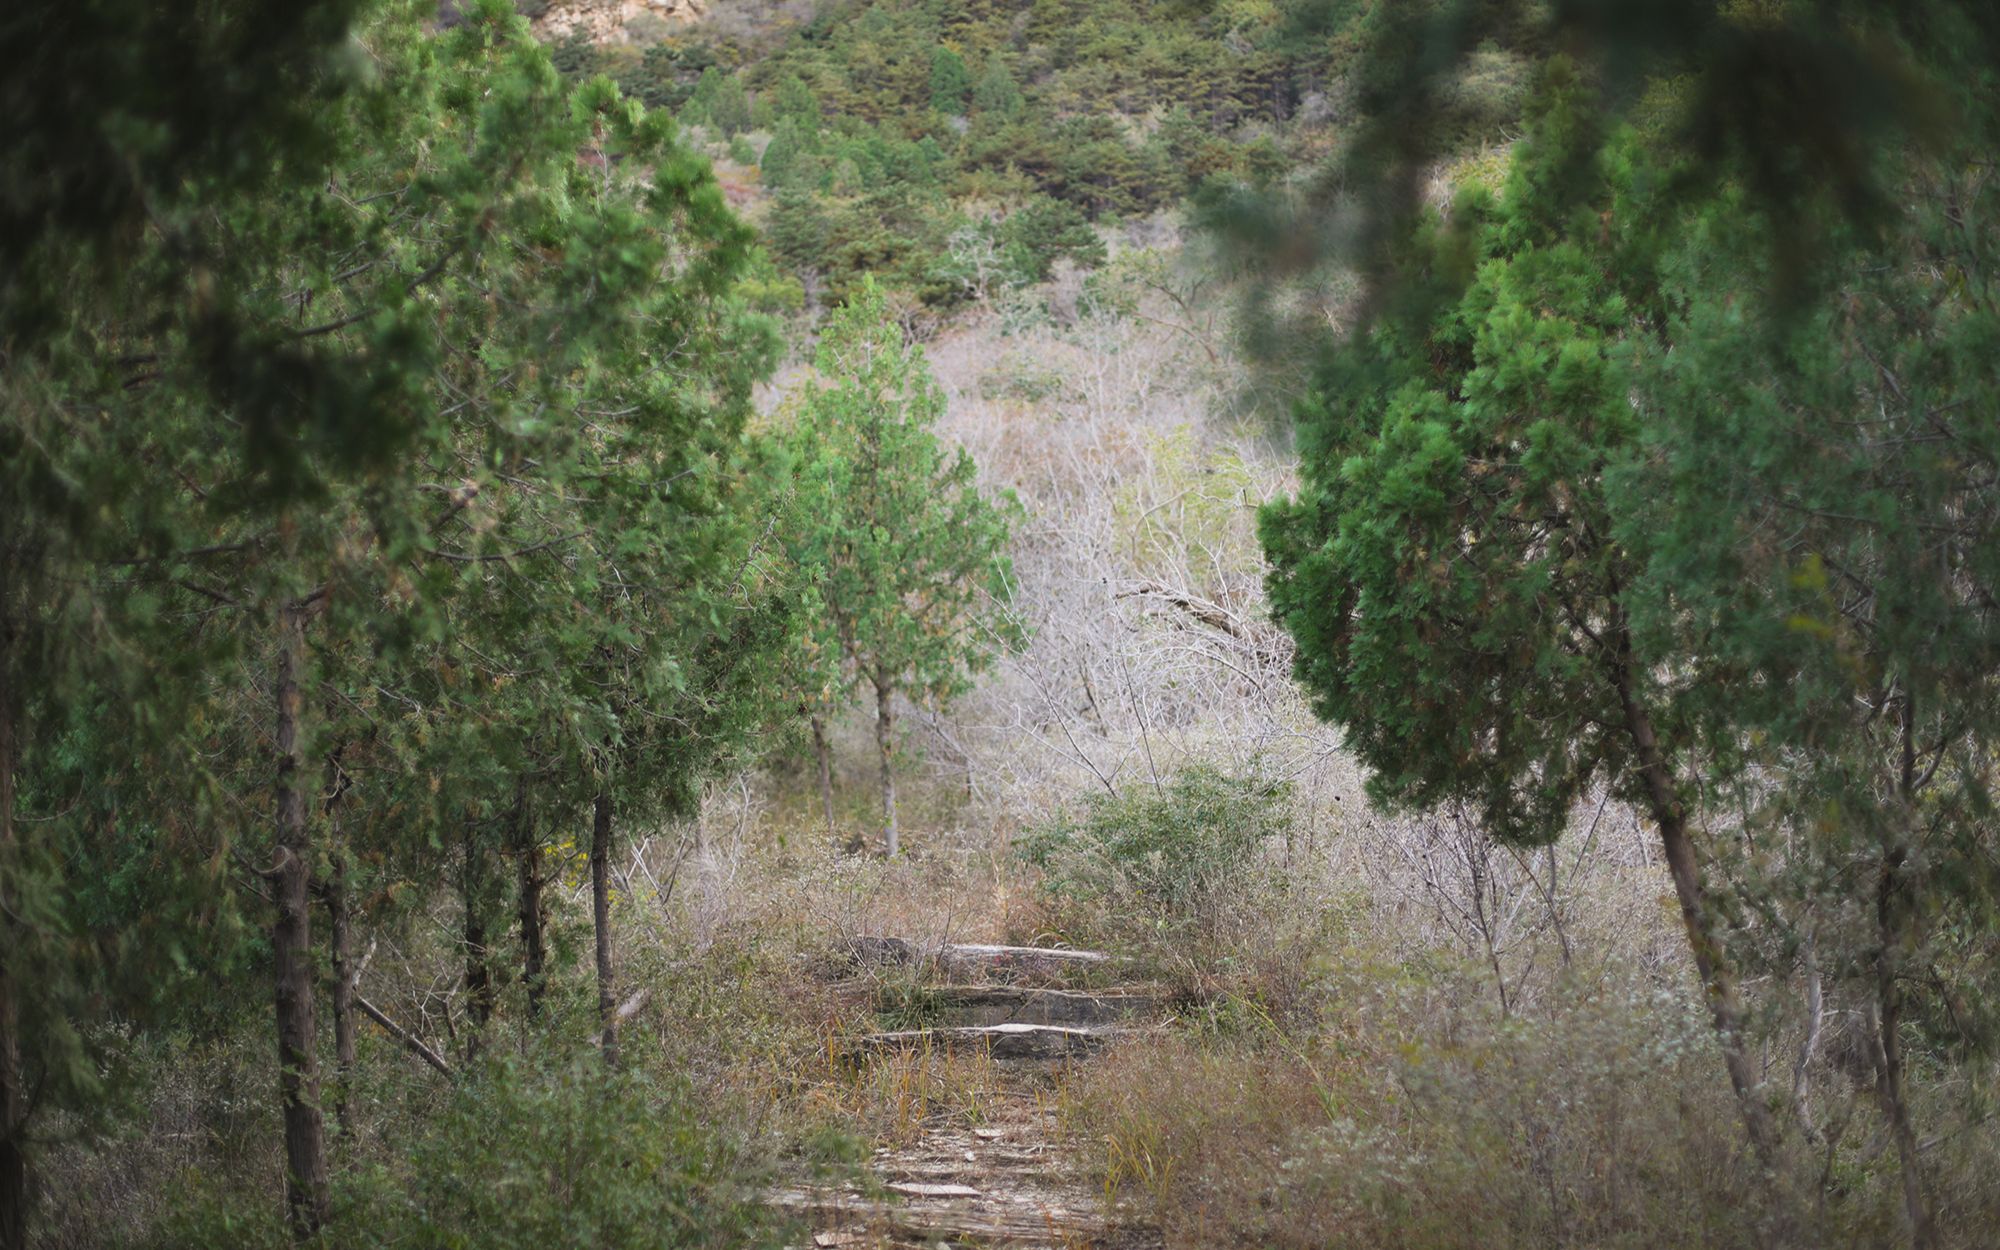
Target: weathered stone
[(976, 961), (1002, 1041), (606, 21), (1011, 1004)]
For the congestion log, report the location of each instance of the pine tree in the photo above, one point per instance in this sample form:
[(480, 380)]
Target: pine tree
[(997, 93), (780, 161), (951, 82), (332, 457), (916, 584), (719, 101)]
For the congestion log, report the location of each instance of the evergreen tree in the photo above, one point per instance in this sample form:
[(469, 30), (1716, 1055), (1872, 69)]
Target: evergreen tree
[(951, 82), (1043, 231), (369, 444), (916, 583), (719, 100), (1844, 664), (797, 103), (1452, 570), (1585, 505), (996, 93), (780, 161)]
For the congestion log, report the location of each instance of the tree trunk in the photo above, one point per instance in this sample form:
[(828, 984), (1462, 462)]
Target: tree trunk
[(1889, 913), (885, 726), (823, 751), (1711, 961), (478, 977), (13, 1098), (534, 948), (600, 915), (343, 998), (291, 952)]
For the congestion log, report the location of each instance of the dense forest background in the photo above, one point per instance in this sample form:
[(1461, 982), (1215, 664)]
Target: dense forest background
[(1452, 543)]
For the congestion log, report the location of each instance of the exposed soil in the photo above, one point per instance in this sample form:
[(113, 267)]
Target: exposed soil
[(1007, 1180)]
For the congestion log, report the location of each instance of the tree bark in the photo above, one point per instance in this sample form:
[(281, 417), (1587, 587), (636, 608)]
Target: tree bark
[(533, 916), (1889, 928), (823, 752), (1711, 961), (343, 998), (13, 1098), (291, 951), (478, 977), (600, 915), (885, 727)]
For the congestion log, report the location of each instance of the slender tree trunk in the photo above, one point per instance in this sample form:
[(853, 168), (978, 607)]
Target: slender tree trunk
[(13, 1098), (885, 728), (1889, 926), (528, 859), (478, 978), (1889, 992), (1809, 1044), (291, 951), (1711, 961), (600, 915), (343, 997), (823, 751)]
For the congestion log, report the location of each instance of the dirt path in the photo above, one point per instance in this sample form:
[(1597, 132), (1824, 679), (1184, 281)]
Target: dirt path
[(1002, 1178)]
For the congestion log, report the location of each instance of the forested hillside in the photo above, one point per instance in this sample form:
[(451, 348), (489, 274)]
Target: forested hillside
[(844, 623)]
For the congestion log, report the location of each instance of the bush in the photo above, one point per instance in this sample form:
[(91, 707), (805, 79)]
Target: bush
[(528, 1158), (1045, 231), (1164, 856), (1395, 1125)]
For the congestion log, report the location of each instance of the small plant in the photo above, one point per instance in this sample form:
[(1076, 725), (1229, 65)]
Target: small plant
[(1164, 856)]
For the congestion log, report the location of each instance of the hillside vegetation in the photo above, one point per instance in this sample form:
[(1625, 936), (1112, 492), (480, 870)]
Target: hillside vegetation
[(1184, 623)]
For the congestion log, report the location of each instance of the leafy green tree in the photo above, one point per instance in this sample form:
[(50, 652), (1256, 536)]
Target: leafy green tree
[(1585, 505), (996, 92), (337, 426), (1847, 661), (796, 103), (798, 228), (916, 583), (951, 82), (1044, 231), (781, 161), (1452, 569), (203, 370), (719, 100)]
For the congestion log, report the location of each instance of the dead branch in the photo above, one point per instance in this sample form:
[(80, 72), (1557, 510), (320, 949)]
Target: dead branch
[(408, 1039)]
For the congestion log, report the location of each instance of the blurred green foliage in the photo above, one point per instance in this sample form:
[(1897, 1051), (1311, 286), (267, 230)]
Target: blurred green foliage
[(527, 1156)]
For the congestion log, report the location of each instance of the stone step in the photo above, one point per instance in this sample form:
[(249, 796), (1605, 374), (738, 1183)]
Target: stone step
[(1001, 1041), (980, 1005), (977, 961), (986, 1220)]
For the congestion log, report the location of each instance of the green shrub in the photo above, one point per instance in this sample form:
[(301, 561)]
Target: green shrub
[(531, 1158), (1164, 854), (1044, 231)]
